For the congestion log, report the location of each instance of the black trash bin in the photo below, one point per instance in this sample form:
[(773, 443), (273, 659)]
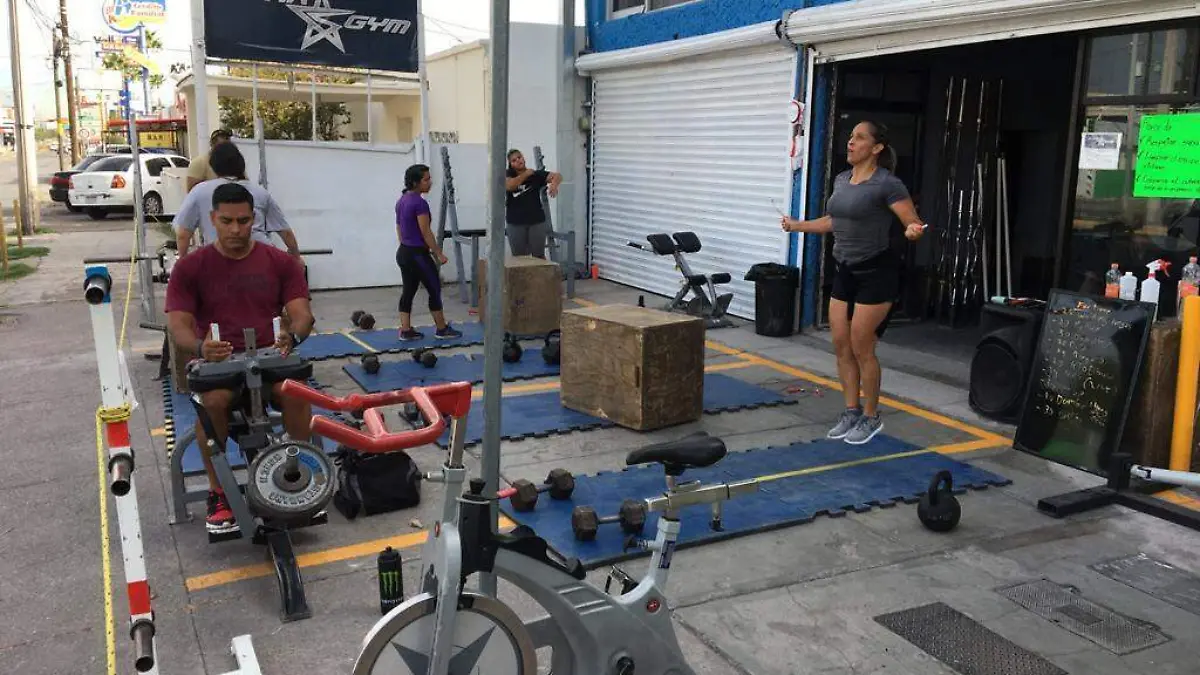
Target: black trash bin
[(774, 298)]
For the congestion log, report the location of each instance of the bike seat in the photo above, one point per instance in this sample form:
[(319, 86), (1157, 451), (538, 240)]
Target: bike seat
[(690, 452), (661, 243)]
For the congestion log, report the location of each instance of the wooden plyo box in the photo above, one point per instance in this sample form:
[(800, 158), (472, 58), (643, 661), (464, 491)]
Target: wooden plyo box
[(532, 295), (638, 367)]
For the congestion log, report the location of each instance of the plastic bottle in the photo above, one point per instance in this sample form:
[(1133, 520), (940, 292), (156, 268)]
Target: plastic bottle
[(1189, 280), (1151, 285), (1112, 282), (1128, 288)]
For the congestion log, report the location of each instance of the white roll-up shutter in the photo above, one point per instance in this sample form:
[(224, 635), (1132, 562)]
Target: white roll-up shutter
[(862, 28), (698, 145)]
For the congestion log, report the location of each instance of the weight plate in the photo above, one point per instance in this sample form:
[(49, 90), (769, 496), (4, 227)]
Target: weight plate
[(274, 498)]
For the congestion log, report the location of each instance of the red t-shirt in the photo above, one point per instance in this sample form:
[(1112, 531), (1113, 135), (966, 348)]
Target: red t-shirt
[(236, 294)]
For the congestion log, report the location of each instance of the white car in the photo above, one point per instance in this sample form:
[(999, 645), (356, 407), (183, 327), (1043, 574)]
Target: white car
[(107, 185)]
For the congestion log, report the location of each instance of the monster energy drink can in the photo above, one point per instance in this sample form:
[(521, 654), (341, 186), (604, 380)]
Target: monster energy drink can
[(391, 580)]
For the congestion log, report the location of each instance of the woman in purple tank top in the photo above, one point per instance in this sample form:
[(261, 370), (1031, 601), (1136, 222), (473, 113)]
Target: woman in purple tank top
[(415, 257)]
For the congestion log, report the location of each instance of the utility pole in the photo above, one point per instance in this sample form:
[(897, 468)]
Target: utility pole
[(72, 113), (24, 133), (58, 127)]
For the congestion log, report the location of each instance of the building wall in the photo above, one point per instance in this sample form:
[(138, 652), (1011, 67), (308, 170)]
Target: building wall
[(458, 93)]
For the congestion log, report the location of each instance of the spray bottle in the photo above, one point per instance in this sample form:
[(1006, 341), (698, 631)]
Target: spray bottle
[(1151, 285)]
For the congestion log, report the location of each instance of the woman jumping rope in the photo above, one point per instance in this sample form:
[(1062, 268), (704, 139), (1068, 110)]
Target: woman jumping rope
[(415, 257), (861, 209)]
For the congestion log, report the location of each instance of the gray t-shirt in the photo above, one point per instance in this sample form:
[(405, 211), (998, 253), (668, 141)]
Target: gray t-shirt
[(196, 207), (862, 217)]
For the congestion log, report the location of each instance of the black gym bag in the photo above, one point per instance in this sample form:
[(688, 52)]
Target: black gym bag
[(375, 483)]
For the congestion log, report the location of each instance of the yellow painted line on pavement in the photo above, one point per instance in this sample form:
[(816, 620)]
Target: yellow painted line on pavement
[(110, 645), (360, 343), (1177, 497), (158, 431)]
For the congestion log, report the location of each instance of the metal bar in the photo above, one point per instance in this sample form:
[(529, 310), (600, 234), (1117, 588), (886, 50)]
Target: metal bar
[(145, 271), (1180, 478), (423, 78), (494, 331), (370, 115), (312, 87), (145, 71), (199, 78)]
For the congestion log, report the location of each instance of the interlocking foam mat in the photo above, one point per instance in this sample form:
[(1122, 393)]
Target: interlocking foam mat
[(181, 418), (457, 368), (387, 341), (542, 415), (778, 503), (321, 346)]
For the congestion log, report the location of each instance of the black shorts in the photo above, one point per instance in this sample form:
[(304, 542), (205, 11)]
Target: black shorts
[(874, 281)]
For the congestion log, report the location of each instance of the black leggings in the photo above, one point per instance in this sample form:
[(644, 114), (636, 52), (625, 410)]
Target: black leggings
[(417, 267)]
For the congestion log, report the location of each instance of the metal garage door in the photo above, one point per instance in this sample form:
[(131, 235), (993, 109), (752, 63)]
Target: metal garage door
[(699, 144)]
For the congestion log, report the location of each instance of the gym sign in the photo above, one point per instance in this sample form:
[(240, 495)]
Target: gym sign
[(127, 16), (375, 34)]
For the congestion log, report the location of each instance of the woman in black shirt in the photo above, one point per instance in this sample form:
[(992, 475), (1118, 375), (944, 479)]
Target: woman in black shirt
[(523, 205)]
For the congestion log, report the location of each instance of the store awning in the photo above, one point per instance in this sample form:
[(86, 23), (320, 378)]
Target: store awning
[(754, 35), (862, 28)]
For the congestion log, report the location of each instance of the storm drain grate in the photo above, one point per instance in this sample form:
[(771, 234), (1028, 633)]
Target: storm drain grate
[(964, 644), (1156, 578), (1116, 633)]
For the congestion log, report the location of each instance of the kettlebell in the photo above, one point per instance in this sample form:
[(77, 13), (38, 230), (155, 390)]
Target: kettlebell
[(425, 357), (370, 363), (938, 509), (512, 349), (552, 350)]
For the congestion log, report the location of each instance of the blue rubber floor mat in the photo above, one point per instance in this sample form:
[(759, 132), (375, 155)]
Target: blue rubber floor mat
[(542, 415), (321, 346), (181, 418), (387, 341), (900, 473), (457, 368)]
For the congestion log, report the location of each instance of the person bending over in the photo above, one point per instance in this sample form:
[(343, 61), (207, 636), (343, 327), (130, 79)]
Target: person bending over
[(415, 256), (523, 205), (861, 211), (237, 283)]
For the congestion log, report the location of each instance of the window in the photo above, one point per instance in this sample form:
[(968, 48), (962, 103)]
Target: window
[(118, 164), (621, 8), (181, 162), (155, 166), (1161, 62)]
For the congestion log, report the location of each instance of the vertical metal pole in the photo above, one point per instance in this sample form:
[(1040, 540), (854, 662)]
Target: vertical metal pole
[(145, 283), (566, 143), (23, 137), (72, 104), (423, 78), (58, 126), (145, 71), (494, 331), (312, 82), (370, 115), (199, 79)]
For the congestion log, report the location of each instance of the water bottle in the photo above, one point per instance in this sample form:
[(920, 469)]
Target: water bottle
[(391, 580), (1112, 282), (1128, 287), (1189, 281)]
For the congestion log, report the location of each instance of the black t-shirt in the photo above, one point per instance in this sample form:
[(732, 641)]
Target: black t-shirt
[(523, 206)]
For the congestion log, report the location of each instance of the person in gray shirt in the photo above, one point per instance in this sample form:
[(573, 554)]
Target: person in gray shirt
[(861, 212)]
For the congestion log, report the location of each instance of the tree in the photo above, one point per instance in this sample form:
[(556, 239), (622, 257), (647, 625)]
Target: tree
[(284, 120), (129, 68)]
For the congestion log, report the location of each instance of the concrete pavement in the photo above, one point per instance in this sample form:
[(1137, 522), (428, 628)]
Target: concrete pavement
[(810, 598)]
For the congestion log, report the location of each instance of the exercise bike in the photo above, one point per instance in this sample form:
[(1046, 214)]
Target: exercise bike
[(447, 629), (290, 482), (705, 303)]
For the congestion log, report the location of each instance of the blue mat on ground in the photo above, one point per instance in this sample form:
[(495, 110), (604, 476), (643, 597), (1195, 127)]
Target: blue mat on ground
[(778, 503), (181, 418), (542, 415), (321, 346), (387, 341), (457, 368)]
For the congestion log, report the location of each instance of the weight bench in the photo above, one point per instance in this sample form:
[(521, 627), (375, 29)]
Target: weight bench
[(705, 303)]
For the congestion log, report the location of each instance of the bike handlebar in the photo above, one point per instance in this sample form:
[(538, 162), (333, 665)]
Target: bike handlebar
[(453, 399)]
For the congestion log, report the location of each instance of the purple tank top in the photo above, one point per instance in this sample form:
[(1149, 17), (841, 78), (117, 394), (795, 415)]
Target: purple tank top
[(411, 205)]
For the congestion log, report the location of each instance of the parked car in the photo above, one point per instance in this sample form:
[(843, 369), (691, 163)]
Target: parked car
[(107, 185), (60, 182)]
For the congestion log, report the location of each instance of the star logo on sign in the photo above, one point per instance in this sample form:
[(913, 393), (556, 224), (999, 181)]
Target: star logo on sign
[(317, 17)]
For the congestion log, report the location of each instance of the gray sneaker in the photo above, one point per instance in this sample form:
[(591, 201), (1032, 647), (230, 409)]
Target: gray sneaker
[(845, 423), (864, 430)]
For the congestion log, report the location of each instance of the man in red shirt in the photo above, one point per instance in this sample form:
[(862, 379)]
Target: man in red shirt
[(237, 283)]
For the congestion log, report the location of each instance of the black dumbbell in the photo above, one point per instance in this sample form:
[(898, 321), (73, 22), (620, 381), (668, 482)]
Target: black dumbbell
[(585, 522), (370, 363), (425, 357), (362, 320), (523, 495)]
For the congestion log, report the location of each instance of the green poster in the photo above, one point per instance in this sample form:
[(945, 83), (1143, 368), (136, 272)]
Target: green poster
[(1168, 157)]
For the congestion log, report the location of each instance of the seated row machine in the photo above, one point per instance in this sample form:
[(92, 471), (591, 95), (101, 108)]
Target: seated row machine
[(705, 303)]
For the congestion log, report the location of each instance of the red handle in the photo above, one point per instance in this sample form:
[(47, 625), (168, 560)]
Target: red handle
[(453, 399)]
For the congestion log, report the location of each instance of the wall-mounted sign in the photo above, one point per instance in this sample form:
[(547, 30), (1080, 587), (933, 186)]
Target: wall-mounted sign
[(1168, 157), (116, 44), (376, 34), (1100, 151), (125, 16)]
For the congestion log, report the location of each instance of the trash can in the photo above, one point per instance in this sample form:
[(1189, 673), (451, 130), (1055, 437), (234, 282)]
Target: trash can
[(775, 302)]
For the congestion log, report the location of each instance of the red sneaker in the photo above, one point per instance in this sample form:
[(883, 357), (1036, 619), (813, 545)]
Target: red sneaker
[(220, 516)]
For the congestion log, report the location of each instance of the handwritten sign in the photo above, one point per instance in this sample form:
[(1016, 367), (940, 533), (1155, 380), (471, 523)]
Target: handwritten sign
[(1168, 157), (1087, 359)]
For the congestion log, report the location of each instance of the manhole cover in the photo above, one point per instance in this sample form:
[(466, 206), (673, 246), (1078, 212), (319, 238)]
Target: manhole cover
[(1156, 578)]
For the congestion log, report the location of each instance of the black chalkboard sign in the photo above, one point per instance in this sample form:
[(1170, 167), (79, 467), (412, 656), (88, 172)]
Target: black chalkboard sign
[(1082, 379)]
